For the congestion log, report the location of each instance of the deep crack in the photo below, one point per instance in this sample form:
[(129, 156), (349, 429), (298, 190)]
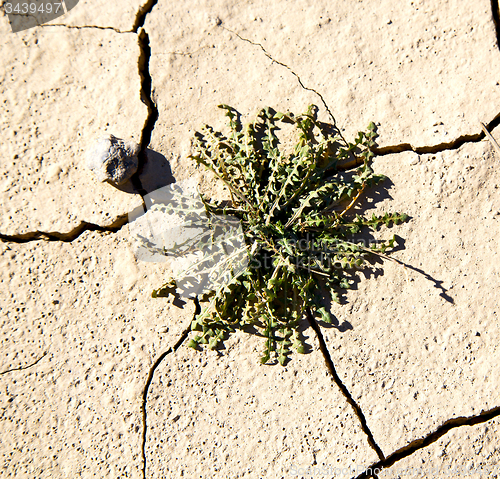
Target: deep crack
[(495, 13), (440, 147), (409, 449), (152, 117), (140, 18), (425, 150), (146, 97), (173, 349), (342, 387), (84, 226)]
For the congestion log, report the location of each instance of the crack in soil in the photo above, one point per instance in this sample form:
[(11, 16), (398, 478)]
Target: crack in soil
[(268, 55), (440, 147), (22, 368), (147, 99), (495, 13), (170, 350), (152, 117), (427, 440), (82, 27), (331, 368), (146, 90), (140, 18), (84, 226), (387, 150)]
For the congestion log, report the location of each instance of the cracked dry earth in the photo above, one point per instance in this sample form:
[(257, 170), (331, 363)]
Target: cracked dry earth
[(96, 380)]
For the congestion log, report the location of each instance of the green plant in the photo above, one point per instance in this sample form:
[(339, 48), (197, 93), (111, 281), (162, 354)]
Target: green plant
[(293, 210)]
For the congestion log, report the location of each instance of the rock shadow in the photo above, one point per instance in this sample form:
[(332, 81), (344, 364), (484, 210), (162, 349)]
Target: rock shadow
[(155, 173)]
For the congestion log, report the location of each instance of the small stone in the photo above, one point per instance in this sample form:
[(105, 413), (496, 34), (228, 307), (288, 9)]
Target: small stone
[(113, 159)]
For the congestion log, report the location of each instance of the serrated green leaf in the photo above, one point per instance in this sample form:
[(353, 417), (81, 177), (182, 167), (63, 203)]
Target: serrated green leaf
[(296, 213)]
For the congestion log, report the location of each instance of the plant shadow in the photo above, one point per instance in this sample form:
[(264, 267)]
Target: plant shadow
[(366, 237)]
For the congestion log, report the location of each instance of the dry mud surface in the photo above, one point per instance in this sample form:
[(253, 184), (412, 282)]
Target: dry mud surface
[(95, 377)]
